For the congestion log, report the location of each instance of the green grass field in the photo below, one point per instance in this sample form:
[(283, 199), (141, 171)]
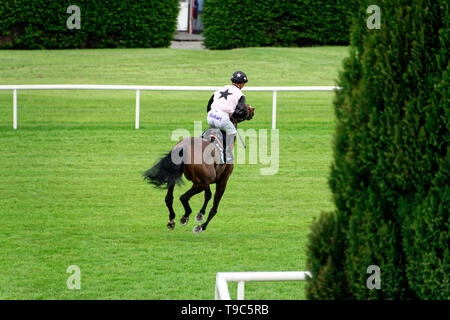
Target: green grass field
[(71, 191)]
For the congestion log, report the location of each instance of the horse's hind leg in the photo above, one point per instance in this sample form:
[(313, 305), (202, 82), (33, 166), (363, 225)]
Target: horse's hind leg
[(201, 215), (169, 202), (196, 188)]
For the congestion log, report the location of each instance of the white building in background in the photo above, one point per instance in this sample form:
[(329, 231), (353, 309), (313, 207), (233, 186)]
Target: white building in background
[(189, 17)]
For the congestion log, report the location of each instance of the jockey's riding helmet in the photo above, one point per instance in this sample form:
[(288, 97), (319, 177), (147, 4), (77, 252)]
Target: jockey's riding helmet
[(239, 77)]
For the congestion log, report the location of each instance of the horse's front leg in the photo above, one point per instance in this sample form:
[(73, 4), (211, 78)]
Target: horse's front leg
[(201, 215), (220, 189)]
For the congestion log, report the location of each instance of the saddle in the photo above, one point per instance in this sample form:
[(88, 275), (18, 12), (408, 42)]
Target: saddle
[(218, 138)]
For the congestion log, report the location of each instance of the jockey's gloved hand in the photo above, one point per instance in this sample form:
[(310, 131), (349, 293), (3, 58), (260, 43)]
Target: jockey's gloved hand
[(241, 113)]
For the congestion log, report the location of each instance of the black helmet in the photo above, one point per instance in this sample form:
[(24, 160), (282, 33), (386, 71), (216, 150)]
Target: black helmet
[(239, 77)]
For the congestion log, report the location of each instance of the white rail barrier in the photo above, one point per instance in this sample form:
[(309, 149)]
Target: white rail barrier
[(138, 89), (221, 290)]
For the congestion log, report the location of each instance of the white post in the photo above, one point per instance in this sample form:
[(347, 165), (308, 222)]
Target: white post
[(240, 290), (216, 293), (138, 107), (221, 291), (15, 109), (274, 110)]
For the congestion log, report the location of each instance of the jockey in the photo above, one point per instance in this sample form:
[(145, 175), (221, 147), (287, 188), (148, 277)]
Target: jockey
[(224, 103)]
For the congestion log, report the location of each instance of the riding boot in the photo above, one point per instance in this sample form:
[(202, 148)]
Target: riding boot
[(223, 135), (230, 138)]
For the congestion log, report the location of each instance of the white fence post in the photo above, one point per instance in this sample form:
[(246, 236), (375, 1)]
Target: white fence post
[(221, 290), (274, 110), (15, 109), (138, 107), (240, 290)]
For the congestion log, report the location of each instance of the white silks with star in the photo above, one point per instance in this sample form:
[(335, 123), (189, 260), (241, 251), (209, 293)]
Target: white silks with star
[(226, 99)]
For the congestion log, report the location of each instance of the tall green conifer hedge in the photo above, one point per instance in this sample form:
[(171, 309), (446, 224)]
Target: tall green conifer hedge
[(390, 174)]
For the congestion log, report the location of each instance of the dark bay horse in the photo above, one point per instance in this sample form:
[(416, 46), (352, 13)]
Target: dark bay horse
[(187, 157)]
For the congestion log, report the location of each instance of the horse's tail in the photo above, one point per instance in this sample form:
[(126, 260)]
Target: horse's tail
[(165, 173)]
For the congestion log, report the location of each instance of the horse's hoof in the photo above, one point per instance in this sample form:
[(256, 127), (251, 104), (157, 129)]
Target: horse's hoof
[(197, 229), (171, 225), (199, 217), (184, 220)]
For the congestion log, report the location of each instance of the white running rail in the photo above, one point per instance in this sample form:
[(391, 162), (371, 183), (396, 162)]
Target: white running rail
[(221, 290), (138, 89)]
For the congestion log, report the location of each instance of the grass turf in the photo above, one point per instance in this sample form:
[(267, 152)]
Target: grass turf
[(71, 191)]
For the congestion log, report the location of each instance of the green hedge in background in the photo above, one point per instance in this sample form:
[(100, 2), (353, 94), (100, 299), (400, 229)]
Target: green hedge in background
[(391, 170), (39, 24), (250, 23)]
